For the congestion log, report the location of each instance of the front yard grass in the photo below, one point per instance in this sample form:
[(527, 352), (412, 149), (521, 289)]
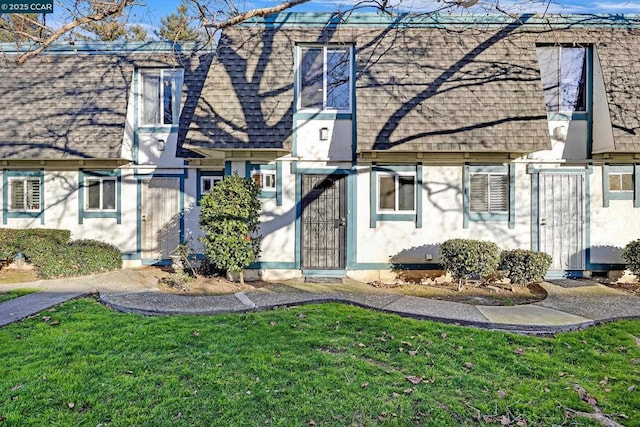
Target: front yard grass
[(329, 364)]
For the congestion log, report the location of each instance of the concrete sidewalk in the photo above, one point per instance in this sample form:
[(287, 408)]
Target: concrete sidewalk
[(563, 309)]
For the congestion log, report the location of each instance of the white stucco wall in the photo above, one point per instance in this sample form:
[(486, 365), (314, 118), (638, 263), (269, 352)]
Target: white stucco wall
[(61, 210), (442, 219), (611, 227), (336, 147), (568, 141)]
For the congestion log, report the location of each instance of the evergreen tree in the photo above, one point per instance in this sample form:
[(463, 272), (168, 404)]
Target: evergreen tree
[(113, 30), (230, 218), (176, 27), (16, 27)]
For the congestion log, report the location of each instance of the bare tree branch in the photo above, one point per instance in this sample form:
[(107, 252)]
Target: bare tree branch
[(101, 11), (253, 13)]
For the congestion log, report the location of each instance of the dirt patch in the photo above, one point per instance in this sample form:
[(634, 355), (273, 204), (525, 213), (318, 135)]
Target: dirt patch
[(213, 285), (627, 288), (17, 275), (476, 295)]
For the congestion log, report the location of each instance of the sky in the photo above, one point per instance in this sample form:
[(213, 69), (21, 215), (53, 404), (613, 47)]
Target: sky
[(150, 15)]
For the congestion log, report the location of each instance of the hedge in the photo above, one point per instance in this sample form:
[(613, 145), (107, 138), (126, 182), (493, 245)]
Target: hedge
[(13, 241), (54, 256)]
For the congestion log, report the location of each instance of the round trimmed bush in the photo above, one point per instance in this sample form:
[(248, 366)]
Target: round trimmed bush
[(465, 258), (524, 267)]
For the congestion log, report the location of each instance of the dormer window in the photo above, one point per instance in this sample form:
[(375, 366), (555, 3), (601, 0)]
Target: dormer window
[(160, 100), (324, 78), (563, 70)]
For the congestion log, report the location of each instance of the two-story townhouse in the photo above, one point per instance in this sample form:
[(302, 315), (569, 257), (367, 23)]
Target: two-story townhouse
[(376, 138), (89, 142), (373, 138)]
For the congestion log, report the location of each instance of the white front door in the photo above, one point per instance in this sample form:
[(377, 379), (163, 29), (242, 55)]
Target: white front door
[(561, 221), (160, 217)]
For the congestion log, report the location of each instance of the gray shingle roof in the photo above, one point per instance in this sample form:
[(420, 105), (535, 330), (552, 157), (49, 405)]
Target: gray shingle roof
[(71, 105), (430, 89)]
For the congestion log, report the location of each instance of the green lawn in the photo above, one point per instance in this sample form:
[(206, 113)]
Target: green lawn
[(330, 364), (6, 296)]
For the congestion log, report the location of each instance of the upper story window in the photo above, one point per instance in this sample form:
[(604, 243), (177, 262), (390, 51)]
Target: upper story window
[(324, 78), (25, 194), (161, 91), (563, 70)]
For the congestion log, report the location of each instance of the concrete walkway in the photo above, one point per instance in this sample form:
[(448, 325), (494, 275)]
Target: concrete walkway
[(563, 309)]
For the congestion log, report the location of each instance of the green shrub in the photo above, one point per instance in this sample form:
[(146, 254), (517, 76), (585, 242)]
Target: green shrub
[(229, 217), (13, 241), (465, 258), (54, 256), (93, 256), (631, 256), (524, 267)]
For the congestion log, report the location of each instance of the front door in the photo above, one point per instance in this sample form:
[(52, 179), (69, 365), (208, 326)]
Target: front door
[(160, 217), (561, 219), (324, 222)]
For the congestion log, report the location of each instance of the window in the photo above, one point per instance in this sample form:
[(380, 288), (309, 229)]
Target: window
[(621, 182), (324, 78), (563, 70), (160, 96), (488, 192), (100, 194), (265, 180), (396, 193), (24, 194), (207, 182)]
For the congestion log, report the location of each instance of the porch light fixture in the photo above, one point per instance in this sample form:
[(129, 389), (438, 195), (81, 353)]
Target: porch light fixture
[(161, 144), (324, 134)]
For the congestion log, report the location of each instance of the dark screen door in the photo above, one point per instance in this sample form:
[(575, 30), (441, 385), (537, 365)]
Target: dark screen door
[(324, 222)]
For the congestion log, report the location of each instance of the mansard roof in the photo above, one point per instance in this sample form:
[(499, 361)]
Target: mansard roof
[(423, 83), (70, 102)]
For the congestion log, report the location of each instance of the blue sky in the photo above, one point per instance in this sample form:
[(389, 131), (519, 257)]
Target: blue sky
[(155, 9)]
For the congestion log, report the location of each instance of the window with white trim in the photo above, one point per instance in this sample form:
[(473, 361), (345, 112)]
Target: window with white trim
[(100, 194), (563, 70), (396, 192), (208, 182), (160, 96), (324, 78), (25, 194), (265, 179), (489, 192)]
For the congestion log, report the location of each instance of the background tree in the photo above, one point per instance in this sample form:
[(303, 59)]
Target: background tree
[(177, 26), (24, 27), (74, 15), (113, 30), (229, 218)]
